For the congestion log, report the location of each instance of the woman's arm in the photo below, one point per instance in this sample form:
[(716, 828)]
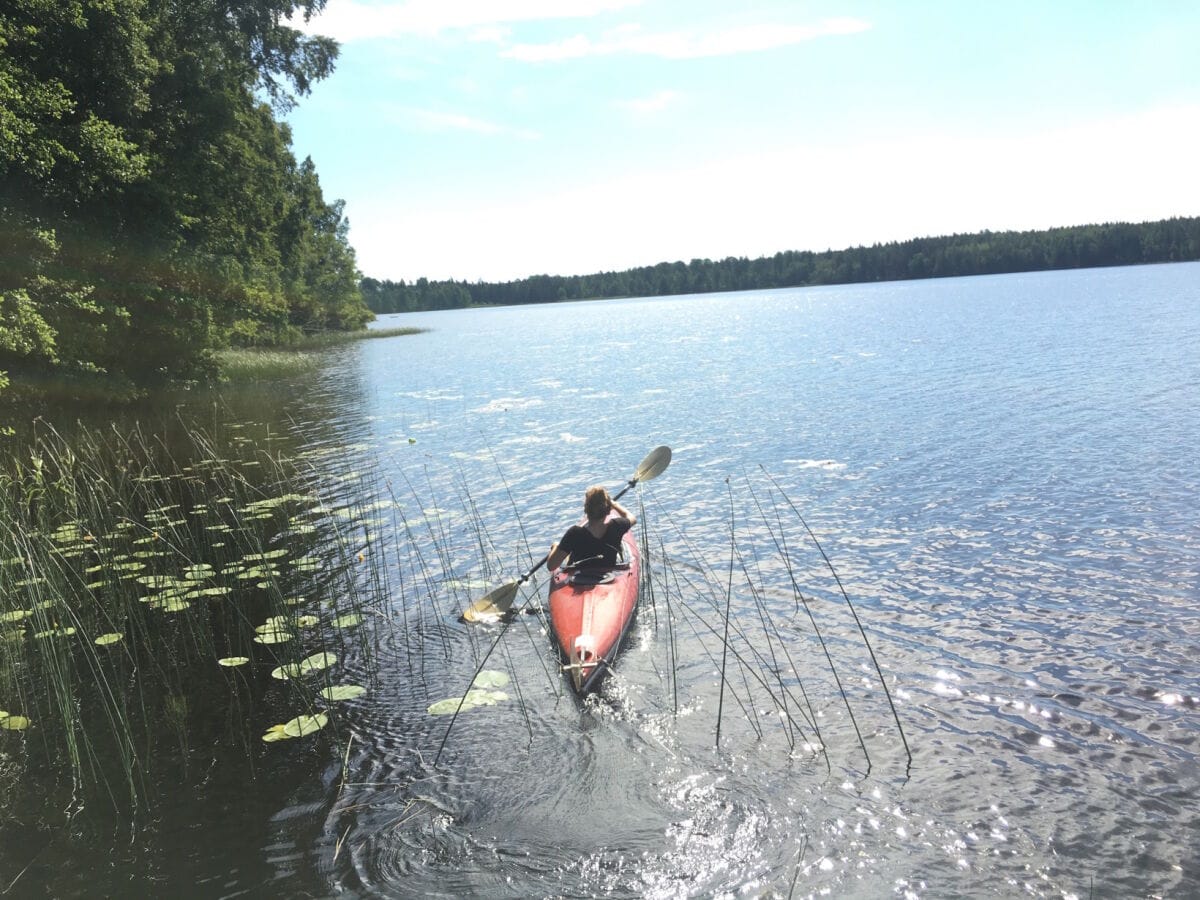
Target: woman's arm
[(555, 558), (622, 511)]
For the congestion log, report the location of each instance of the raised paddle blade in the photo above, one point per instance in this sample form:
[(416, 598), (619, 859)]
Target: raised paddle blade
[(492, 606), (654, 464)]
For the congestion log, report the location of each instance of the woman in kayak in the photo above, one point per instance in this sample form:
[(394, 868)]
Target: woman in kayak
[(599, 540)]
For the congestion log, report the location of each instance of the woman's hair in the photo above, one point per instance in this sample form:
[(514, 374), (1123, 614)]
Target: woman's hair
[(596, 502)]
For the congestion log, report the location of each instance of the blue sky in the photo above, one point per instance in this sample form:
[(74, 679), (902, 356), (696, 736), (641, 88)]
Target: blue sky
[(495, 139)]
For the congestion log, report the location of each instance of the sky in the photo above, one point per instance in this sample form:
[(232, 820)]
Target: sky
[(497, 139)]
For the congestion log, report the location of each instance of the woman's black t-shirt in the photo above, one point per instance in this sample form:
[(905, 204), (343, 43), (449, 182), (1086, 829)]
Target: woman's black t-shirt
[(585, 548)]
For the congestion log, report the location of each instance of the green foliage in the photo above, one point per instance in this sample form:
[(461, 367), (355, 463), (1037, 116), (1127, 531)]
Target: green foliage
[(151, 209), (1116, 244)]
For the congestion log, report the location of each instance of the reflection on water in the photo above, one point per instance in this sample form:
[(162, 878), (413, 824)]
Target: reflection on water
[(1002, 471)]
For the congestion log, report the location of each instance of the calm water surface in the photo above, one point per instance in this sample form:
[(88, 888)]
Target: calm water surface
[(1003, 473)]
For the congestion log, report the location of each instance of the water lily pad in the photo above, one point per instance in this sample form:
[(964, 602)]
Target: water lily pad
[(231, 661), (472, 699), (317, 662), (108, 639), (286, 672), (14, 723), (67, 534), (349, 620), (306, 564), (265, 555), (275, 733), (273, 637), (490, 678), (16, 615), (158, 582), (55, 632), (302, 725), (337, 692), (172, 604), (306, 621), (198, 572), (219, 591)]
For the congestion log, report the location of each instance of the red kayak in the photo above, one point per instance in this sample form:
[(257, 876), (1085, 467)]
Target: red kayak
[(591, 609)]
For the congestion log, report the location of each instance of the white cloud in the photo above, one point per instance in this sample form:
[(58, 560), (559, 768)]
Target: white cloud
[(652, 104), (351, 20), (693, 44), (806, 197)]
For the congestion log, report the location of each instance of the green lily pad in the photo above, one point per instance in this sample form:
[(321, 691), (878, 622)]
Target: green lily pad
[(286, 672), (273, 637), (108, 639), (172, 604), (67, 534), (231, 661), (14, 723), (265, 555), (349, 620), (219, 591), (317, 662), (306, 564), (16, 615), (307, 621), (302, 725), (342, 692), (275, 733), (55, 632), (158, 582), (472, 699), (490, 678)]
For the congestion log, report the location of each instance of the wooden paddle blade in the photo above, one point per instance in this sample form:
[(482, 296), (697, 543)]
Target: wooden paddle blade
[(654, 464), (495, 604)]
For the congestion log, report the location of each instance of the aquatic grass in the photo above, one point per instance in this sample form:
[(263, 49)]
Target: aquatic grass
[(102, 537), (262, 365), (768, 663), (298, 357)]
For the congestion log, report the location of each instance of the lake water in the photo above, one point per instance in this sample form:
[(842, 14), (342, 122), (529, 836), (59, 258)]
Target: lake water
[(1002, 472)]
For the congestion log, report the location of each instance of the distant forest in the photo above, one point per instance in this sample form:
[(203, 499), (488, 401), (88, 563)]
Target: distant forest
[(985, 253)]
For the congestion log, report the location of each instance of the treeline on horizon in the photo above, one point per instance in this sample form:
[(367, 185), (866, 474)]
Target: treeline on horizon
[(151, 208), (985, 253)]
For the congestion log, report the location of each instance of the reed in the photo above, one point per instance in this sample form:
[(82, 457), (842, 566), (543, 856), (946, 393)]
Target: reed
[(138, 590), (245, 364)]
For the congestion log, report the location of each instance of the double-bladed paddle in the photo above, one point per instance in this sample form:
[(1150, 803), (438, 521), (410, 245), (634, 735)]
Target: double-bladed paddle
[(498, 601)]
